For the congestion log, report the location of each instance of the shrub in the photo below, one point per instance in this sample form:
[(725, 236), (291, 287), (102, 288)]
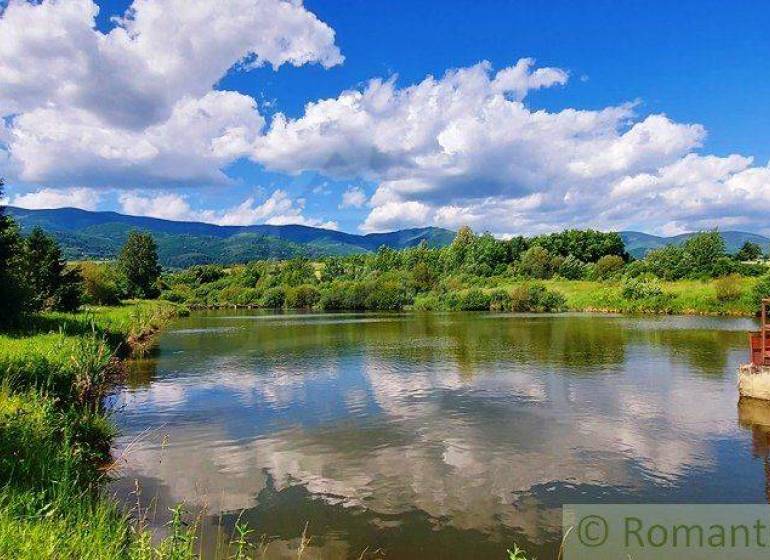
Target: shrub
[(499, 300), (641, 287), (704, 250), (427, 302), (667, 263), (608, 266), (728, 288), (724, 266), (635, 268), (302, 297), (274, 298), (572, 268), (102, 283), (474, 300), (536, 263), (761, 290), (536, 297), (385, 295)]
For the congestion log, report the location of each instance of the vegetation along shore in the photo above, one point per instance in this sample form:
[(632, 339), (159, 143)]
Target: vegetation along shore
[(572, 270)]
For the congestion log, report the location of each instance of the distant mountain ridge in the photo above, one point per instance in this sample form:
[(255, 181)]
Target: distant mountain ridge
[(86, 234)]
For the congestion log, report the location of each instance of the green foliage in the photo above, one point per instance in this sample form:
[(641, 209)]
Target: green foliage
[(50, 284), (641, 287), (571, 268), (102, 283), (302, 297), (667, 263), (761, 290), (536, 262), (11, 293), (749, 252), (138, 261), (728, 288), (274, 298), (608, 266), (473, 300), (703, 251), (586, 245), (536, 298)]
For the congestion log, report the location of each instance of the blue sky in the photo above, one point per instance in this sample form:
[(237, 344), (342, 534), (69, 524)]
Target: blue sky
[(697, 63)]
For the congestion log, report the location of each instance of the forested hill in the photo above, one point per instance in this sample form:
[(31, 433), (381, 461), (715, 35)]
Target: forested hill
[(88, 235)]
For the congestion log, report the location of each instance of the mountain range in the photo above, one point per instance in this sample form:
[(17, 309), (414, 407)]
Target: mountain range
[(99, 235)]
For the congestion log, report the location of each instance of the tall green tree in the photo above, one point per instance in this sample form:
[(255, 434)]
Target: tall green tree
[(11, 293), (749, 252), (48, 280), (703, 250), (138, 260)]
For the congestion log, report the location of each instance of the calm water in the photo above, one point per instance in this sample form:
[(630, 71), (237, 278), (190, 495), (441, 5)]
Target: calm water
[(437, 435)]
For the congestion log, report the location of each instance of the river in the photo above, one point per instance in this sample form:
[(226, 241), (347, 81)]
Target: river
[(413, 436)]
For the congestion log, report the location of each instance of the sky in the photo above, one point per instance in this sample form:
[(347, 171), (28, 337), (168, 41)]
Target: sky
[(512, 117)]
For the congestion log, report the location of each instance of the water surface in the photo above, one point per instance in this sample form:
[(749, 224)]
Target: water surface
[(434, 435)]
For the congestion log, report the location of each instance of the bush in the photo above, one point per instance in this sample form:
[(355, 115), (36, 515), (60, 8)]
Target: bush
[(572, 268), (704, 250), (761, 290), (728, 288), (608, 266), (536, 263), (536, 297), (667, 263), (427, 302), (102, 283), (385, 295), (641, 287), (274, 298), (473, 300), (499, 300), (302, 297)]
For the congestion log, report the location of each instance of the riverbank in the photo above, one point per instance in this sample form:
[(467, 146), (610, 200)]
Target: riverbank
[(55, 434)]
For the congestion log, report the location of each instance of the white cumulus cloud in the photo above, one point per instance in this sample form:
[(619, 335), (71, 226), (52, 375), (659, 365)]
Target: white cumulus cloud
[(353, 197), (278, 209), (87, 199), (466, 149), (137, 103)]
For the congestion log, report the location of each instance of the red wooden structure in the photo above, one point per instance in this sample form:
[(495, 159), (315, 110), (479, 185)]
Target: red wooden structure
[(759, 341)]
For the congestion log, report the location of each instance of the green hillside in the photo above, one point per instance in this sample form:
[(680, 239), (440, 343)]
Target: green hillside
[(99, 235)]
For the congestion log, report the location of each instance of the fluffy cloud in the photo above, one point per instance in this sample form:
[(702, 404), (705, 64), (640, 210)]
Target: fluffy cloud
[(466, 149), (277, 209), (87, 199), (353, 197), (136, 104)]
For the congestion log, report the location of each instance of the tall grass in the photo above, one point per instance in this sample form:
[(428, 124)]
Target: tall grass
[(55, 436)]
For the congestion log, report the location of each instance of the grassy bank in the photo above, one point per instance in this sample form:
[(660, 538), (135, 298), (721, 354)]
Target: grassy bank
[(55, 435), (683, 297)]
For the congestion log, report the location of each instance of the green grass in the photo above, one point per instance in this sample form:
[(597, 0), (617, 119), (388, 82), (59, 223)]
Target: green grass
[(55, 436), (685, 297)]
